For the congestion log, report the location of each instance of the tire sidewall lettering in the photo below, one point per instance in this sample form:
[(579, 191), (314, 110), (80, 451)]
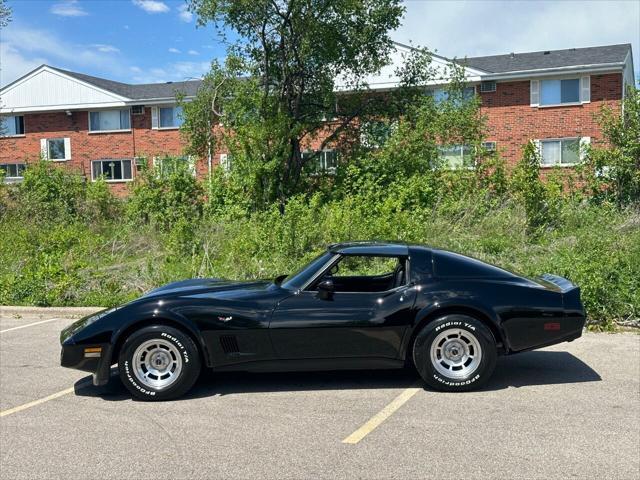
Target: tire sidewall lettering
[(425, 363), (133, 381), (451, 383), (178, 344), (454, 324)]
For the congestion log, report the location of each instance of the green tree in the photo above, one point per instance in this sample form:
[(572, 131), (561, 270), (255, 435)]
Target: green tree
[(5, 14), (530, 190), (277, 88), (612, 170)]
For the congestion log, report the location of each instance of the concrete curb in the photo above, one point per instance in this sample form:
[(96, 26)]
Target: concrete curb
[(49, 312)]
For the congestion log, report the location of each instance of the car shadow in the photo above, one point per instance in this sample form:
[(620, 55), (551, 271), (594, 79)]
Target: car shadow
[(522, 370), (540, 368)]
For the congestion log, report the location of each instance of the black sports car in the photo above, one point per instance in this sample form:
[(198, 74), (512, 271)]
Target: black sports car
[(361, 305)]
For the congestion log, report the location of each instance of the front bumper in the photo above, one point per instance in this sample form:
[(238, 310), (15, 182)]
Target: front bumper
[(76, 357)]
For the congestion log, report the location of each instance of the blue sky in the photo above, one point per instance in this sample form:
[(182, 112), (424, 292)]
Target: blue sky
[(141, 41)]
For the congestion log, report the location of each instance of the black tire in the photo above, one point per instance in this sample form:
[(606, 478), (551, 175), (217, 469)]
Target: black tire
[(470, 356), (174, 348)]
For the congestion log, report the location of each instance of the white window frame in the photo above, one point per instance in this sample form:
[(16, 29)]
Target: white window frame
[(490, 145), (9, 178), (189, 159), (107, 131), (582, 145), (44, 149), (488, 82), (122, 180), (322, 159), (226, 162), (584, 91), (463, 167), (155, 117), (4, 118)]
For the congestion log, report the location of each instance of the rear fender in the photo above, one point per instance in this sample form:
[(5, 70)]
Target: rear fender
[(474, 309)]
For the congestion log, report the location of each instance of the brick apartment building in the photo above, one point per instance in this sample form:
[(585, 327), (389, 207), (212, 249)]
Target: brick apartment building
[(102, 127)]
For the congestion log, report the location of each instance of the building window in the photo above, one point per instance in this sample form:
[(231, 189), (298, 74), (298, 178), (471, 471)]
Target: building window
[(487, 86), (171, 117), (166, 166), (564, 151), (12, 171), (166, 117), (456, 156), (442, 94), (320, 161), (375, 133), (558, 92), (140, 163), (489, 146), (226, 161), (112, 170), (110, 120), (55, 149), (12, 126)]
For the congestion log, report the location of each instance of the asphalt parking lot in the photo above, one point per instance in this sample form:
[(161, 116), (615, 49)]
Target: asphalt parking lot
[(569, 411)]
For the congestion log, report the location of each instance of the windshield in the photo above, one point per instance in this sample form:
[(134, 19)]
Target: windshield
[(302, 276)]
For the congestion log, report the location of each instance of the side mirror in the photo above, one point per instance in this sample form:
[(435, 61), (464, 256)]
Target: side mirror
[(326, 289)]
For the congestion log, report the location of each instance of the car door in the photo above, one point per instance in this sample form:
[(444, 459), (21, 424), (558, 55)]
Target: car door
[(349, 324)]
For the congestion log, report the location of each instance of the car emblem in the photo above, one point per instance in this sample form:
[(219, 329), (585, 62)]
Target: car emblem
[(225, 319)]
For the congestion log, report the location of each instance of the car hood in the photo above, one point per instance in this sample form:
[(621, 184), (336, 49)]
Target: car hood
[(210, 287), (197, 285)]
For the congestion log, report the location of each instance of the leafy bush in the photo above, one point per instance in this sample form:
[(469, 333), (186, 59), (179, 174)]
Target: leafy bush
[(165, 198), (612, 170), (49, 191)]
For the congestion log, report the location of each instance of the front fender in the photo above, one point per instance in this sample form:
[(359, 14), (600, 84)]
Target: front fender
[(134, 317)]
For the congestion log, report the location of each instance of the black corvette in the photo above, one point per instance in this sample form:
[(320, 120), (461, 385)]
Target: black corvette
[(362, 305)]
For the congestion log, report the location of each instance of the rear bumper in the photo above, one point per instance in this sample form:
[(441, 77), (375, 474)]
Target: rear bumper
[(532, 333), (567, 338), (75, 356)]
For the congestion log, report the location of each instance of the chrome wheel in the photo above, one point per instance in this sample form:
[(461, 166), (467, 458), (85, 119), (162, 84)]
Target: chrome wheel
[(456, 353), (157, 363)]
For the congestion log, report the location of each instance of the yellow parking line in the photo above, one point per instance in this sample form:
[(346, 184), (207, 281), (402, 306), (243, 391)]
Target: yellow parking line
[(382, 415), (29, 325), (53, 396)]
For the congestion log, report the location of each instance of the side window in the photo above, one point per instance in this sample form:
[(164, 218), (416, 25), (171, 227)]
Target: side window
[(365, 273), (365, 266)]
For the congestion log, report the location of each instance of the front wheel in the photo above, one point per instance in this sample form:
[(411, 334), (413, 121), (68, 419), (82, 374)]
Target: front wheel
[(158, 363), (455, 353)]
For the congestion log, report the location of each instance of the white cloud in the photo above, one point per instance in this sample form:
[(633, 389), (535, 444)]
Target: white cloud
[(177, 71), (68, 8), (24, 48), (152, 6), (174, 50), (105, 48), (135, 69), (184, 14), (15, 65), (193, 52), (457, 28)]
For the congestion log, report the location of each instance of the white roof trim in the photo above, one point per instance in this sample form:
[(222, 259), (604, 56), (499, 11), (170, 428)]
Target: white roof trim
[(57, 108), (629, 74), (46, 68), (541, 72)]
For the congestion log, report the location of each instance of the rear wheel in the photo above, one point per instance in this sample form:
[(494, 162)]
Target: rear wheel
[(159, 363), (455, 353)]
